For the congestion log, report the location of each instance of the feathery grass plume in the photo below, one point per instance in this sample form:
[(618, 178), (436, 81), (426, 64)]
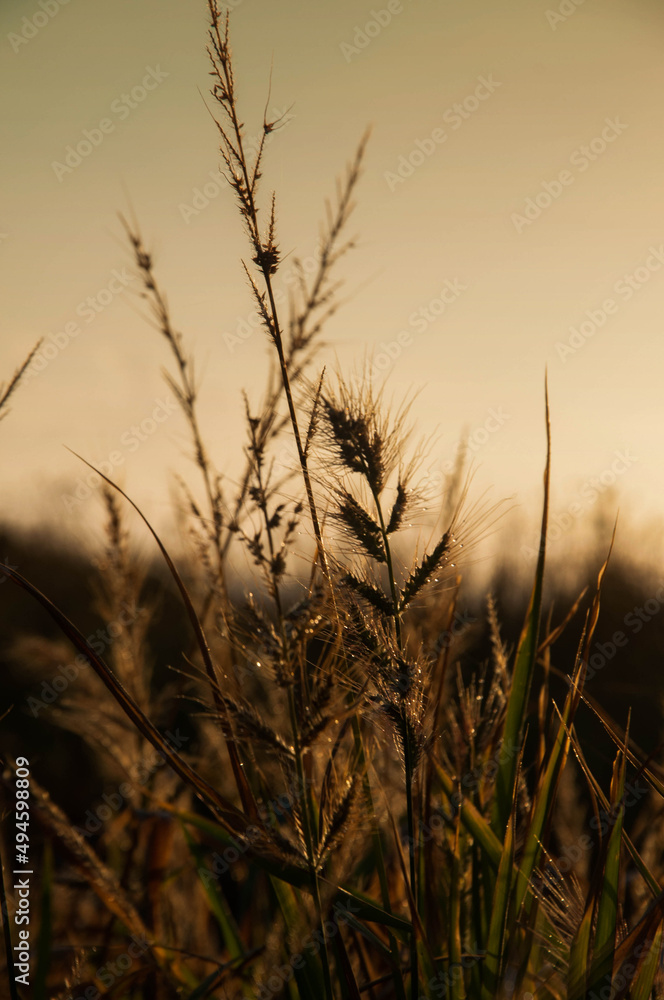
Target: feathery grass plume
[(121, 598), (336, 821), (122, 605), (361, 434)]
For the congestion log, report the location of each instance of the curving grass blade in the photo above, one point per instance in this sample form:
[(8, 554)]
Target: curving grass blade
[(216, 900), (241, 781), (650, 966), (495, 947), (578, 970), (604, 944), (472, 819), (308, 972), (546, 791), (223, 808), (457, 989)]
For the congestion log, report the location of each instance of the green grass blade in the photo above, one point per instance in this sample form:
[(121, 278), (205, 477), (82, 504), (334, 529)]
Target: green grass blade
[(524, 666), (577, 973), (545, 793), (457, 989), (494, 959), (472, 819), (604, 944), (217, 901), (650, 965), (308, 972), (642, 946), (602, 801)]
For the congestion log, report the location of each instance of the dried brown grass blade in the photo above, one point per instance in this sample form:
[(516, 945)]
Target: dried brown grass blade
[(555, 634)]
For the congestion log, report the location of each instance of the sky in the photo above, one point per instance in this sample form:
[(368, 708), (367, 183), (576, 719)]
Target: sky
[(509, 222)]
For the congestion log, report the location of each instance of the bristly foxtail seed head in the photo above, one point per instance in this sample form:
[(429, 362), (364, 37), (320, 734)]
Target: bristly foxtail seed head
[(363, 438)]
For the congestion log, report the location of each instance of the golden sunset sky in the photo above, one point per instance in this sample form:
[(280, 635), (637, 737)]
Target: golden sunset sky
[(510, 217)]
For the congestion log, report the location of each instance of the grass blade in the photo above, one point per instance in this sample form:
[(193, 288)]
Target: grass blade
[(546, 791), (244, 790), (607, 908), (526, 656), (457, 985), (473, 820), (308, 972), (218, 905), (495, 947), (650, 966)]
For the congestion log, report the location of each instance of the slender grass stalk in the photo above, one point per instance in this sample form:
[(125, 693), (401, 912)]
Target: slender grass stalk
[(6, 391), (308, 838), (409, 767), (272, 568), (265, 252)]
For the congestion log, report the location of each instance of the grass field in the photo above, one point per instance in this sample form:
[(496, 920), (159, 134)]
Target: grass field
[(326, 777)]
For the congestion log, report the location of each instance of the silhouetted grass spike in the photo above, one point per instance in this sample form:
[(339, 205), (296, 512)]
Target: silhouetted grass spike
[(420, 576), (405, 717), (372, 594), (10, 388), (398, 509), (339, 818), (249, 726), (358, 445), (367, 533)]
